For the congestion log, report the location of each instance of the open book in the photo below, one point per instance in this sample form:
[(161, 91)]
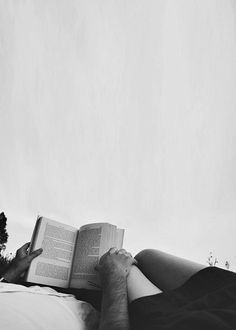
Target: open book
[(70, 254)]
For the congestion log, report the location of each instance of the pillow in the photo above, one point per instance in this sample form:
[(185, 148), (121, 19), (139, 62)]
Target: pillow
[(43, 308)]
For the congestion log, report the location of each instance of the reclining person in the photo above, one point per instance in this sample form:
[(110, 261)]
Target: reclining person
[(159, 291), (156, 290)]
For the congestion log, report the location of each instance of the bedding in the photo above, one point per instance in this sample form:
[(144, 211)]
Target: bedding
[(43, 308)]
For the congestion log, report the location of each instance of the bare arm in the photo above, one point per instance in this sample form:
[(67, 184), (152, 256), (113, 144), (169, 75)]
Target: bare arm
[(115, 306), (114, 268)]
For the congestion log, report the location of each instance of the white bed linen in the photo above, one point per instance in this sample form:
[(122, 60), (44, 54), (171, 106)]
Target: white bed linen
[(43, 308)]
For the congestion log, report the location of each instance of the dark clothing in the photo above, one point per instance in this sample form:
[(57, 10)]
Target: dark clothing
[(207, 301), (94, 297)]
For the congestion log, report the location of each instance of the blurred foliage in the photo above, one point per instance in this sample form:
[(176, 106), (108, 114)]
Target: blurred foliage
[(212, 261), (3, 231), (5, 259)]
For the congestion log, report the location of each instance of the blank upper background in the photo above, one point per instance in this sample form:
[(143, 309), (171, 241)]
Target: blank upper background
[(121, 111)]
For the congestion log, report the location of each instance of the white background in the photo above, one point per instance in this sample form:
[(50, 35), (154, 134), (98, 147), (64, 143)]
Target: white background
[(121, 111)]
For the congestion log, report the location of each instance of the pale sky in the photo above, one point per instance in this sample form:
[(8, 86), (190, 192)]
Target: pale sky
[(121, 112)]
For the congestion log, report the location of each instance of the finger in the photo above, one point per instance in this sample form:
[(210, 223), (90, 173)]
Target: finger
[(24, 247), (96, 268), (34, 254), (124, 252), (112, 250), (121, 251), (135, 262)]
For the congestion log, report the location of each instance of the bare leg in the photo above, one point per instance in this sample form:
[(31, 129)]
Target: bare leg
[(164, 270), (139, 286)]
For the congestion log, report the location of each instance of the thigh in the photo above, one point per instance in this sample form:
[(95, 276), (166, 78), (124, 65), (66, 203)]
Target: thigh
[(139, 286), (164, 270)]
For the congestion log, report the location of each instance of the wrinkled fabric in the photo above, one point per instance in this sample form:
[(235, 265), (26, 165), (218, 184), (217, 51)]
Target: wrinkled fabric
[(206, 301), (37, 308)]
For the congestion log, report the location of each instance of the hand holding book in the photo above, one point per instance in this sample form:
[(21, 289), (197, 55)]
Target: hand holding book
[(69, 254), (20, 263), (114, 265)]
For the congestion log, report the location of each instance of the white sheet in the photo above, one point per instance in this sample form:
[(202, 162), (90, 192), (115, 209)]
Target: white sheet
[(43, 308)]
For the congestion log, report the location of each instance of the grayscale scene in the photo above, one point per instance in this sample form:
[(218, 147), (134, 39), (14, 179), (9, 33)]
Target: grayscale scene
[(118, 164)]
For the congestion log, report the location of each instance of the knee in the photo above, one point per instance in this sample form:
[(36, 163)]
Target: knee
[(144, 254)]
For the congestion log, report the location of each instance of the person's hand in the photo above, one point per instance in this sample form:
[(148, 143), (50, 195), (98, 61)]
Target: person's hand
[(21, 263), (115, 264)]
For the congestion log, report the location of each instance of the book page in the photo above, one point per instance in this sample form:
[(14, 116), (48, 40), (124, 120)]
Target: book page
[(92, 242), (53, 266), (35, 234), (119, 237)]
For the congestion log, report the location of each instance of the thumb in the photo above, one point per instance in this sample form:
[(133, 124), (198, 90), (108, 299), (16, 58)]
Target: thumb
[(35, 254), (22, 251), (97, 267), (24, 247), (135, 262)]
